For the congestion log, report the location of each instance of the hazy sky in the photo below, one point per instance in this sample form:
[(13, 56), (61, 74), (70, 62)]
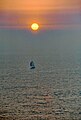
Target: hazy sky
[(59, 23), (50, 14)]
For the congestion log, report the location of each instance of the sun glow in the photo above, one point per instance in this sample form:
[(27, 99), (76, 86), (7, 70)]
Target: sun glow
[(34, 26), (23, 14)]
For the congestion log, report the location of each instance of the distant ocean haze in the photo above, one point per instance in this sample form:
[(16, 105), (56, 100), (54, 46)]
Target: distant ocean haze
[(21, 41)]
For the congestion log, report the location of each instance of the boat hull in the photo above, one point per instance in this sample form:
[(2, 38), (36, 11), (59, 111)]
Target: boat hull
[(32, 67)]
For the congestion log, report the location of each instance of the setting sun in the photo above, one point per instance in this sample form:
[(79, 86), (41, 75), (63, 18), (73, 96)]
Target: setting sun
[(34, 26)]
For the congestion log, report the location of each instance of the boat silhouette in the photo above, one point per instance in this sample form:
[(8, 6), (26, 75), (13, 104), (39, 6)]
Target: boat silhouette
[(32, 66)]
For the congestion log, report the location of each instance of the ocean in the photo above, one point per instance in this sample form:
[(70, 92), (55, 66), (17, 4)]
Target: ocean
[(51, 91)]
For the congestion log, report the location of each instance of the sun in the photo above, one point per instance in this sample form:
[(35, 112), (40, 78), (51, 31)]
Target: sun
[(34, 26)]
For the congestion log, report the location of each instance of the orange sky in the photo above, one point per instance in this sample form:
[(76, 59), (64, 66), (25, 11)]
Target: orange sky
[(28, 11), (38, 5)]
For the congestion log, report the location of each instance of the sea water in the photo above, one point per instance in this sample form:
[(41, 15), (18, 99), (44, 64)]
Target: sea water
[(50, 91)]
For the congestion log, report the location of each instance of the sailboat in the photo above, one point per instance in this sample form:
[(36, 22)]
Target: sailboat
[(32, 66)]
